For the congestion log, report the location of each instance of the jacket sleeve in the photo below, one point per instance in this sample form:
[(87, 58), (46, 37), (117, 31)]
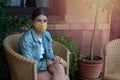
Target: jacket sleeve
[(51, 56), (26, 48), (49, 51)]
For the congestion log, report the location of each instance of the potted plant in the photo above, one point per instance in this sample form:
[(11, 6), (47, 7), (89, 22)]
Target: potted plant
[(90, 66)]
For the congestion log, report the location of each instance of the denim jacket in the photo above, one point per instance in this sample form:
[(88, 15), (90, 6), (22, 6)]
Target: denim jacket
[(30, 47)]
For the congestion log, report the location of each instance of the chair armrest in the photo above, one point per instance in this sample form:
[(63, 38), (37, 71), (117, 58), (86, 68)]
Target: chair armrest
[(21, 68), (62, 51)]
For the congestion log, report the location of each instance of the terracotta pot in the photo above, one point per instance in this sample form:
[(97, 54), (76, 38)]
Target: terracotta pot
[(90, 69)]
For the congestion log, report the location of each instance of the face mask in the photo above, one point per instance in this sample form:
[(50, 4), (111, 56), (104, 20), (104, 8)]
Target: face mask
[(40, 27)]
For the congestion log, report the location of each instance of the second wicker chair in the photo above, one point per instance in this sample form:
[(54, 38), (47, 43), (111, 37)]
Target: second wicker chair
[(112, 60)]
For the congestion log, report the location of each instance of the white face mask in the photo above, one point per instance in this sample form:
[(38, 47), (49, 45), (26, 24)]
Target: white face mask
[(40, 27)]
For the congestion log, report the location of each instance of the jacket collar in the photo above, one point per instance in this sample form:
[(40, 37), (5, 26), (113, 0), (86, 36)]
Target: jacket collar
[(34, 35), (44, 35)]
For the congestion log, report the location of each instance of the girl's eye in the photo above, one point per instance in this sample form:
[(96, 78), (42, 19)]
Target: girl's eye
[(39, 20)]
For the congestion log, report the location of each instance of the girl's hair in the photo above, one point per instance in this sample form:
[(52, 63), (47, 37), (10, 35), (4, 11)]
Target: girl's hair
[(38, 12)]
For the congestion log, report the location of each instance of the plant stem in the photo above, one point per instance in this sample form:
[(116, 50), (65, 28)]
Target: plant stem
[(93, 33)]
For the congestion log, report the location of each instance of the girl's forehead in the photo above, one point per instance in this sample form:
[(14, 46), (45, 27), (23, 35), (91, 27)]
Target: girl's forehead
[(41, 17)]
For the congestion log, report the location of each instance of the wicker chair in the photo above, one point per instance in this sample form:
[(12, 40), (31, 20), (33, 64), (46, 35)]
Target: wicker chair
[(112, 60), (22, 68)]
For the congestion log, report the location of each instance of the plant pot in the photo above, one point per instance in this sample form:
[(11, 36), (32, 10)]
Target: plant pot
[(99, 78), (90, 69)]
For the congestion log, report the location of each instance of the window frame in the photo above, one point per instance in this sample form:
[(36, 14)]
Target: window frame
[(57, 10)]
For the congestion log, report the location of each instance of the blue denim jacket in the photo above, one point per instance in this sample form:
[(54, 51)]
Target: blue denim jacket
[(30, 47)]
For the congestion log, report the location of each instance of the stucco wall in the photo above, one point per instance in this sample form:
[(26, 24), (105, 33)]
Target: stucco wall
[(78, 12), (79, 22), (115, 21)]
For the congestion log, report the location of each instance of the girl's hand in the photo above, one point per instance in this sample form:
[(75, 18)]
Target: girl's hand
[(59, 60)]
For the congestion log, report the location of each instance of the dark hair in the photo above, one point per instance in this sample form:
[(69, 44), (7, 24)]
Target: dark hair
[(38, 12)]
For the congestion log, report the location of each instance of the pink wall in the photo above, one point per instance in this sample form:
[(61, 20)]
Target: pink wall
[(78, 12), (78, 24), (115, 21)]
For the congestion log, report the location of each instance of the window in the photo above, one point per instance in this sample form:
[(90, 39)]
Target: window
[(53, 7), (14, 3), (30, 3)]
